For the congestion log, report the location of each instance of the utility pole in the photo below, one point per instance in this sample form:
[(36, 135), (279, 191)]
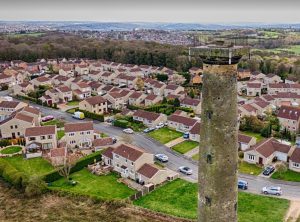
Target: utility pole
[(218, 152)]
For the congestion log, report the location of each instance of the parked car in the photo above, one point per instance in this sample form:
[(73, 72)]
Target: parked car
[(242, 184), (147, 130), (272, 190), (110, 120), (78, 115), (161, 157), (268, 170), (160, 125), (186, 135), (185, 170), (128, 130), (47, 118), (114, 139)]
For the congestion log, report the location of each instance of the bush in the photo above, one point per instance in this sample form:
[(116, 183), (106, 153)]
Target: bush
[(241, 154), (92, 115), (12, 175), (35, 187), (121, 123), (5, 142)]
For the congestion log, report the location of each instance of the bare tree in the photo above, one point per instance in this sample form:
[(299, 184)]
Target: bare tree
[(140, 83), (281, 168), (66, 164)]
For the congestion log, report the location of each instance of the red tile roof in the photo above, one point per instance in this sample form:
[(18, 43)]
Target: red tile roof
[(108, 152), (146, 115), (103, 142), (78, 127), (288, 112), (40, 130), (95, 100), (295, 157), (183, 120), (129, 152), (148, 170), (244, 138)]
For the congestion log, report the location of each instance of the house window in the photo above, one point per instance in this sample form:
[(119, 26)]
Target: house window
[(47, 146), (49, 136), (71, 134), (88, 132), (16, 126), (31, 138), (251, 157), (296, 165), (81, 133), (11, 127), (117, 156), (43, 137)]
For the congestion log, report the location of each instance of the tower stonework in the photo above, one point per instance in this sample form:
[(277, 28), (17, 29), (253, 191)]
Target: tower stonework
[(218, 152)]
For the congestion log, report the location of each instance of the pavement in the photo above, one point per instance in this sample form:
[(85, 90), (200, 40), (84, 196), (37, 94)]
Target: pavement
[(192, 152), (291, 190), (175, 142)]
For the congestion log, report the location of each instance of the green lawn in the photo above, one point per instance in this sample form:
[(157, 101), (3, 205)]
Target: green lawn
[(165, 135), (34, 166), (256, 135), (60, 134), (248, 168), (179, 198), (103, 187), (185, 146), (73, 103), (196, 157), (289, 175), (57, 122), (11, 150), (72, 111)]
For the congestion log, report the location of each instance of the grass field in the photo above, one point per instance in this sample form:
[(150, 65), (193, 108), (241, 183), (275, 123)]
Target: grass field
[(60, 134), (31, 34), (248, 168), (289, 175), (165, 135), (34, 166), (103, 187), (73, 103), (256, 135), (57, 122), (196, 157), (11, 150), (185, 146), (179, 198)]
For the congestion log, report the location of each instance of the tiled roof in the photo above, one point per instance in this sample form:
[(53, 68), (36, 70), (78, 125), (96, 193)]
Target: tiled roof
[(148, 170), (95, 100), (288, 112), (77, 127), (146, 115), (129, 152), (40, 130), (183, 120)]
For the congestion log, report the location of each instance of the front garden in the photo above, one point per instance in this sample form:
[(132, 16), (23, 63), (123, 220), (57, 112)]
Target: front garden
[(289, 175), (59, 123), (165, 135), (185, 146), (179, 198), (248, 168)]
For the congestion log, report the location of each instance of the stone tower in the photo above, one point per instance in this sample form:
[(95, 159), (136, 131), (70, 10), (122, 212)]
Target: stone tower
[(218, 153)]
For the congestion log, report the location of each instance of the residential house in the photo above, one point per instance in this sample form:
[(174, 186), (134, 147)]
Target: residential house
[(33, 112), (266, 151), (149, 119), (9, 107), (254, 89), (58, 156), (151, 174), (66, 71), (181, 123), (82, 69), (81, 90), (247, 110), (41, 81), (15, 125), (136, 98), (102, 143), (258, 75), (44, 135), (152, 99), (196, 71), (108, 77), (272, 78), (194, 104), (245, 142), (79, 135), (195, 132), (262, 107), (158, 88), (5, 80), (23, 89), (65, 94), (244, 74), (294, 161), (289, 118), (173, 90), (96, 87), (94, 104), (118, 100)]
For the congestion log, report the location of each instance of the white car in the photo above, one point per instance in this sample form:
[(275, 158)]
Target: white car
[(128, 130), (162, 157), (160, 125), (272, 190), (185, 170)]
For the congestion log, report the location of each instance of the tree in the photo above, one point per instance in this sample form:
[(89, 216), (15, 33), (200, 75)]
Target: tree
[(140, 84), (281, 169), (162, 77), (35, 186), (68, 162), (191, 93), (176, 102)]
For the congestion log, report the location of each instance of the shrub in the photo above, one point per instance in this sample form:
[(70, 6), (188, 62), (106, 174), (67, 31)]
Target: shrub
[(12, 175), (5, 142), (35, 187), (121, 123), (92, 115), (241, 154)]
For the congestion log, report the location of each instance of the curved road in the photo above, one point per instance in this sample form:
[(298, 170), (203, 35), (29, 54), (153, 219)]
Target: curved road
[(291, 190)]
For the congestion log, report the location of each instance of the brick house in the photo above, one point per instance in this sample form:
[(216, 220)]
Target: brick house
[(149, 119)]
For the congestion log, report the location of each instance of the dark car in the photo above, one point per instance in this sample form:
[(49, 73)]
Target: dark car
[(268, 170), (242, 184)]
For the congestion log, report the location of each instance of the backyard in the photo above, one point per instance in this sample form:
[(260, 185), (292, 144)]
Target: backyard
[(179, 198), (289, 175), (35, 166), (73, 103), (185, 146), (165, 135), (256, 135), (60, 134), (102, 187), (11, 150), (248, 168)]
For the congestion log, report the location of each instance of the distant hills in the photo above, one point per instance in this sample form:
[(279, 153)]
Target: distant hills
[(127, 26)]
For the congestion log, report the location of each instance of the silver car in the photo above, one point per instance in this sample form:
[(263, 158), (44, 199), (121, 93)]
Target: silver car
[(186, 170), (272, 190)]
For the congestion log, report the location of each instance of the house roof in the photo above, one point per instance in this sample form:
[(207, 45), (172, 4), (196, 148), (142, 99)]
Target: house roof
[(129, 152), (288, 112), (40, 130), (77, 127), (172, 87), (190, 101), (4, 76), (262, 104), (146, 115), (254, 85), (151, 97), (148, 170), (108, 152), (195, 129), (242, 138), (95, 100), (267, 147), (31, 109), (135, 95), (58, 152), (64, 89), (42, 79), (295, 157), (183, 120), (9, 104), (103, 141), (23, 117), (249, 108)]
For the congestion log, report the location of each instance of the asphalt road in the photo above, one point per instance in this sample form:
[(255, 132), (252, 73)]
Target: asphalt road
[(291, 190)]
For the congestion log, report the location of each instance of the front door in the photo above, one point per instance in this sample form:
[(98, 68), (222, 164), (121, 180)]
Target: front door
[(13, 135), (260, 160)]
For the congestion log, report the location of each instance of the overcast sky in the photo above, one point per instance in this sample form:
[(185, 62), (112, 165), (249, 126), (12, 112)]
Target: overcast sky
[(199, 11)]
